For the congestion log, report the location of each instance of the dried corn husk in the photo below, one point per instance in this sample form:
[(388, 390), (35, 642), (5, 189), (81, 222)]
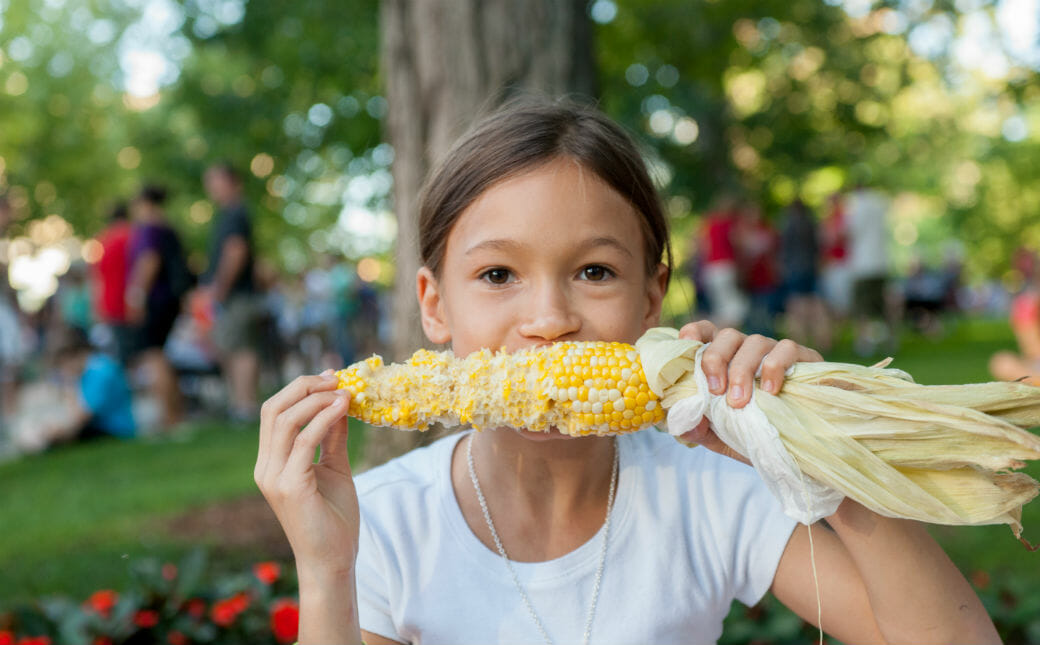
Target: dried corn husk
[(938, 454)]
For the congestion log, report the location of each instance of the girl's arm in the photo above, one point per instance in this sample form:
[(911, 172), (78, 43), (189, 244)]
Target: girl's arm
[(316, 503), (881, 580)]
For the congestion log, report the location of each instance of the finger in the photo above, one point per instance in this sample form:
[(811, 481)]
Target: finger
[(705, 436), (307, 441), (699, 434), (288, 425), (775, 364), (334, 452), (272, 407), (702, 330), (742, 368), (717, 356)]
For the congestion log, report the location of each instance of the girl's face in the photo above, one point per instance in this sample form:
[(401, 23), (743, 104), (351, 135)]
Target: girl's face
[(550, 255)]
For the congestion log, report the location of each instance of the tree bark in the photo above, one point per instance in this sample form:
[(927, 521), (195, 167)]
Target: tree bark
[(446, 62)]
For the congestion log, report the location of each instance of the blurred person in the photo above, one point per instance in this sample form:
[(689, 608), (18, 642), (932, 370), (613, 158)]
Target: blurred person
[(94, 398), (73, 297), (807, 319), (866, 213), (721, 279), (757, 245), (835, 276), (1023, 365), (230, 286), (346, 302), (325, 333), (8, 324), (109, 275), (157, 281), (285, 300), (369, 326), (924, 298), (693, 268)]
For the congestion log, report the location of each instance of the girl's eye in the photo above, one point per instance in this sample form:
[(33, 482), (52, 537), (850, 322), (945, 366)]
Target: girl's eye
[(496, 276), (595, 273)]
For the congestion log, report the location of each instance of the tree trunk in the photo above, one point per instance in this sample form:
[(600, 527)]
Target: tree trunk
[(446, 62)]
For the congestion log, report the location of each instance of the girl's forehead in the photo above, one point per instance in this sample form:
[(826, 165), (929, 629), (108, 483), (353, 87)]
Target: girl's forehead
[(556, 202)]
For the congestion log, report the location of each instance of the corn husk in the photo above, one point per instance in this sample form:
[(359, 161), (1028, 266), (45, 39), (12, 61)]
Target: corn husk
[(938, 454)]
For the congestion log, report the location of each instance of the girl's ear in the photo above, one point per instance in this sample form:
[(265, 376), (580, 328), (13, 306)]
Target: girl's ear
[(431, 307), (656, 285)]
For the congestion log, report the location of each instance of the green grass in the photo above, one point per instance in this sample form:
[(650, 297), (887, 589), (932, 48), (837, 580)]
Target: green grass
[(72, 519), (960, 356)]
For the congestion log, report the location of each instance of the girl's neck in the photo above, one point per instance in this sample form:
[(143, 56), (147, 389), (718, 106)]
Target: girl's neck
[(547, 497)]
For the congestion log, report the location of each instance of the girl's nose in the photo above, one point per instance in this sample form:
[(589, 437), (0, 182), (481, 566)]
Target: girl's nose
[(549, 315)]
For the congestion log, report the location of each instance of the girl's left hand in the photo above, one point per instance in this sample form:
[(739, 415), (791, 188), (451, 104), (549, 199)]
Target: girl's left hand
[(730, 363)]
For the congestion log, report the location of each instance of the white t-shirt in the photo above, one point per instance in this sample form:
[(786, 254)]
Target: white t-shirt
[(690, 531)]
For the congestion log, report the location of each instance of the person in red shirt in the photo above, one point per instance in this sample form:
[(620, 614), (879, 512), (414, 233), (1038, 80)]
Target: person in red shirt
[(109, 277), (728, 304), (835, 276), (758, 245), (1024, 319)]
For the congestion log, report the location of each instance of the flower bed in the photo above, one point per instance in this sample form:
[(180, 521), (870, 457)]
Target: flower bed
[(166, 604)]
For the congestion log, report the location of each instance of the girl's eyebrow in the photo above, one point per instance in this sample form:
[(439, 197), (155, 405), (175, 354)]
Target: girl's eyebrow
[(606, 240), (500, 244), (494, 245)]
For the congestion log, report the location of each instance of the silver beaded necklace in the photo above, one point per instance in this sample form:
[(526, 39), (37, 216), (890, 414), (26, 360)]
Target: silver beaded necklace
[(509, 563)]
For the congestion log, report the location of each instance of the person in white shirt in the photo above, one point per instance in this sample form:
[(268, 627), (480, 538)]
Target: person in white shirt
[(542, 225), (867, 223)]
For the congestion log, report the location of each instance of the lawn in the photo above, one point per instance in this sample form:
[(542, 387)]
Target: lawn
[(72, 519)]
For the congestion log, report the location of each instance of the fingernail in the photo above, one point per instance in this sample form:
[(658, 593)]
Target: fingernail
[(736, 393), (714, 384), (328, 375), (338, 401), (768, 386)]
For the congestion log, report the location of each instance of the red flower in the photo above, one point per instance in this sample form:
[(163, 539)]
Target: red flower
[(267, 572), (35, 640), (176, 638), (146, 618), (102, 640), (224, 612), (102, 601), (6, 637), (196, 608), (285, 620), (169, 571)]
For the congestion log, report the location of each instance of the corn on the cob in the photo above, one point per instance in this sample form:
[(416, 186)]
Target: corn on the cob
[(579, 388), (939, 454)]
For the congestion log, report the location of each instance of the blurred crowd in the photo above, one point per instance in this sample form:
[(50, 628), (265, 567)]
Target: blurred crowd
[(801, 273), (136, 342)]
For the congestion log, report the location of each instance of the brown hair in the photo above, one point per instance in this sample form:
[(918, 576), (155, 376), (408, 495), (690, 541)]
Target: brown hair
[(526, 133)]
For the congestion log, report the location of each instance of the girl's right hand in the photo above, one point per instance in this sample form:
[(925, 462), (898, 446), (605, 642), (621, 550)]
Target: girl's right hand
[(315, 502)]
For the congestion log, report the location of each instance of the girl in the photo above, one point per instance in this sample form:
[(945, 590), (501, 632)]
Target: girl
[(541, 226)]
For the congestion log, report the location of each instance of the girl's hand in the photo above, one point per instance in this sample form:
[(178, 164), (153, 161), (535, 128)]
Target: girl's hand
[(316, 503), (730, 364)]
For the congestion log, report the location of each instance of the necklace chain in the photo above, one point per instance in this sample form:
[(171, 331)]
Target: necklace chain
[(509, 563)]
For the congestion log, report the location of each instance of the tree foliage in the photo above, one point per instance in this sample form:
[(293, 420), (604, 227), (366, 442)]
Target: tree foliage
[(773, 99)]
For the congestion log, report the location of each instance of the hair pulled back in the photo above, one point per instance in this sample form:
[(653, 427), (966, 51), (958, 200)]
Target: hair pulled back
[(527, 133)]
